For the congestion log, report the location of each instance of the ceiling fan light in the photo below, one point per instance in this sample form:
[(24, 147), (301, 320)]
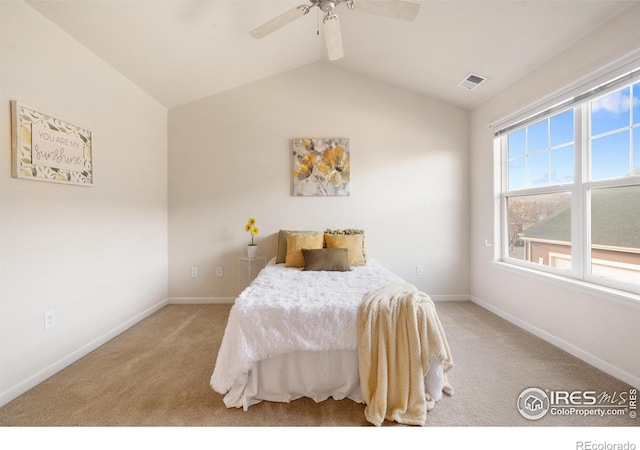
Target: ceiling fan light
[(327, 6)]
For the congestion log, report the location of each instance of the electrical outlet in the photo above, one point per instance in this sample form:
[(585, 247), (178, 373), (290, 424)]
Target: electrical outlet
[(49, 319), (194, 272), (419, 269), (219, 271)]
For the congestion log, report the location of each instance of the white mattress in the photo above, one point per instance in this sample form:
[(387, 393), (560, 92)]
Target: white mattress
[(293, 333)]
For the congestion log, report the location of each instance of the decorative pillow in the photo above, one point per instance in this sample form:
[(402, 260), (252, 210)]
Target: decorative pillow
[(296, 242), (281, 256), (349, 232), (330, 259), (353, 243)]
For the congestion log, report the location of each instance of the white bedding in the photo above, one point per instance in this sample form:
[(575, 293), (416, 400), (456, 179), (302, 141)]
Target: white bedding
[(282, 315), (284, 378)]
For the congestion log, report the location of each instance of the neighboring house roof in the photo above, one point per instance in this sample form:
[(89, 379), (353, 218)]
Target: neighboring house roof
[(615, 220)]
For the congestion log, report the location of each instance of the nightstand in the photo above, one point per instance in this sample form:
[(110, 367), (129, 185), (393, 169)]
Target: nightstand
[(248, 269)]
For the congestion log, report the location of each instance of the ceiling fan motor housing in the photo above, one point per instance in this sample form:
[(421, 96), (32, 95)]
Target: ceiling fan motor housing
[(326, 5)]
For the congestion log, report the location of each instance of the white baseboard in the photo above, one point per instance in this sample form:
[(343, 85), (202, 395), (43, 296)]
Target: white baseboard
[(562, 344), (200, 300), (227, 300), (52, 369)]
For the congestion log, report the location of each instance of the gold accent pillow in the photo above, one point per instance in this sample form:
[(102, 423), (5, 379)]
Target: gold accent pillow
[(351, 231), (296, 242), (281, 256), (352, 242)]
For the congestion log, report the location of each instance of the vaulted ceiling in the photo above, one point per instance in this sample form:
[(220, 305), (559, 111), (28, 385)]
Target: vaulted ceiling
[(180, 51)]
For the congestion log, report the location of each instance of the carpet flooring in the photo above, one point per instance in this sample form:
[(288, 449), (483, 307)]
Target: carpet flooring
[(156, 374)]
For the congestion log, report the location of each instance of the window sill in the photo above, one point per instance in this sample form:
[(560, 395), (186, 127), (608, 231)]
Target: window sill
[(604, 292)]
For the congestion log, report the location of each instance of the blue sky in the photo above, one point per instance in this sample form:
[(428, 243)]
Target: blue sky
[(542, 153)]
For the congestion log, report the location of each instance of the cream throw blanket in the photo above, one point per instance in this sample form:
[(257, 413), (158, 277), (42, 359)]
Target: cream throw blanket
[(399, 332)]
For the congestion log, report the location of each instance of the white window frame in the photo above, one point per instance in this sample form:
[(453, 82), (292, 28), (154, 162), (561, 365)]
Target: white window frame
[(580, 188)]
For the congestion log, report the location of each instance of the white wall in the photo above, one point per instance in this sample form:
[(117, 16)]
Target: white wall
[(601, 329), (96, 255), (230, 159)]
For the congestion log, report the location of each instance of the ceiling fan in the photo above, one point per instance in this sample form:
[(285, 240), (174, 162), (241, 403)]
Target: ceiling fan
[(394, 8)]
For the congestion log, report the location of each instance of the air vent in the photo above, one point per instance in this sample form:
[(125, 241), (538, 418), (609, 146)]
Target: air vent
[(472, 81)]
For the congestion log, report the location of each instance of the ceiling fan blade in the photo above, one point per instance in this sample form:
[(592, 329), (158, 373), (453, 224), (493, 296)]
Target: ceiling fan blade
[(279, 22), (333, 38), (394, 9)]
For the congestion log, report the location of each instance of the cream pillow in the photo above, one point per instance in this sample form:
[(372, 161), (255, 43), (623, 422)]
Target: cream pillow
[(352, 242), (296, 242)]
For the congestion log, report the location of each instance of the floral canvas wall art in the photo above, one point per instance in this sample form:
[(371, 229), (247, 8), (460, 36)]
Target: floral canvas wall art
[(321, 167)]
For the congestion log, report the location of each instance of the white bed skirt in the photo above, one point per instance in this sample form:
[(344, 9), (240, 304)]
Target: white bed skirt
[(317, 375)]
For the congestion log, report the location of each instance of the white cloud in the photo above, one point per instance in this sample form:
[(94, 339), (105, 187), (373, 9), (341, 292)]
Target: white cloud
[(615, 103)]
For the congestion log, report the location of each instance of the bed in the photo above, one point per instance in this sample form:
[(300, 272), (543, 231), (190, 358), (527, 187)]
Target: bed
[(294, 331)]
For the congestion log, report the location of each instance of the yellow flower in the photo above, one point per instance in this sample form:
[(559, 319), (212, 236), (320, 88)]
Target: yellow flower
[(250, 227), (335, 165), (305, 166)]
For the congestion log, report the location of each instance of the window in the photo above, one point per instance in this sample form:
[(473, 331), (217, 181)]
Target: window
[(541, 154), (571, 188)]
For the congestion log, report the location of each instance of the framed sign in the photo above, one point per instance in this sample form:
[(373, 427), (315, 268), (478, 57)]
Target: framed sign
[(45, 148)]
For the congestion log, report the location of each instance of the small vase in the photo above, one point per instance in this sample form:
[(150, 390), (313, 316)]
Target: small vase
[(252, 251)]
